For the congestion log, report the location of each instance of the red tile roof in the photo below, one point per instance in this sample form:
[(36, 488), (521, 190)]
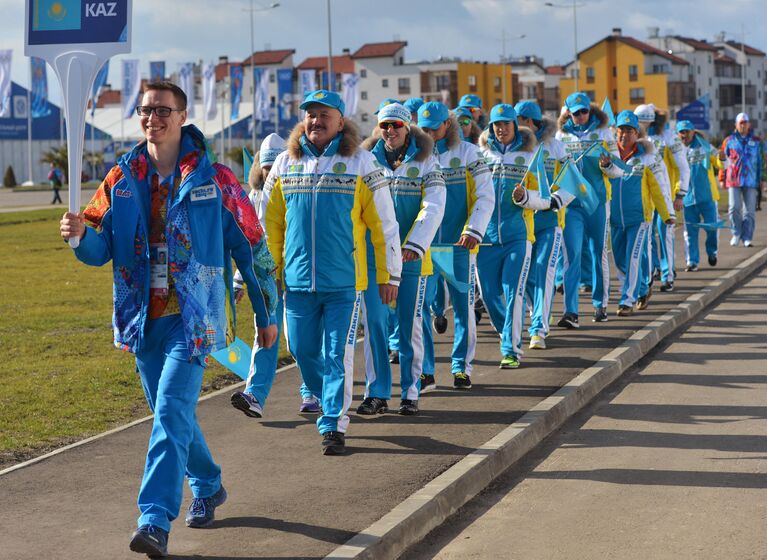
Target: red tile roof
[(649, 49), (342, 64), (376, 50), (222, 70), (699, 45), (746, 48), (556, 70), (262, 58)]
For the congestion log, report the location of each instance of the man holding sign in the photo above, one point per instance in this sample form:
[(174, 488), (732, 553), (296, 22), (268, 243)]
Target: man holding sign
[(171, 220)]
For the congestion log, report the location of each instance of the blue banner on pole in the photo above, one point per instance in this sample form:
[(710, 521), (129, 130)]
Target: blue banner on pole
[(157, 71), (40, 107), (235, 87), (696, 112), (285, 97), (77, 21), (98, 84)]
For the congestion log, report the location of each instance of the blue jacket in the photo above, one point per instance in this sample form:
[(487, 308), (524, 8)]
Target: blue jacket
[(317, 208), (702, 160), (743, 167), (209, 222)]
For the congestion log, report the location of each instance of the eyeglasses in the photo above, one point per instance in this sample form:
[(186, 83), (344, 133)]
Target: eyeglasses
[(396, 125), (146, 111), (580, 112), (464, 122), (475, 109)]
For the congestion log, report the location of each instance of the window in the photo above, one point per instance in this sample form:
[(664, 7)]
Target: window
[(442, 82), (363, 73), (385, 83), (363, 95), (636, 95), (271, 77), (615, 72), (472, 83), (497, 84), (633, 72), (403, 86), (709, 83), (590, 75), (615, 95), (699, 69), (591, 93), (364, 117)]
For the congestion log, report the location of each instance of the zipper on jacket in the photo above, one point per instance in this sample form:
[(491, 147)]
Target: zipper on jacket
[(499, 199), (315, 184), (620, 202)]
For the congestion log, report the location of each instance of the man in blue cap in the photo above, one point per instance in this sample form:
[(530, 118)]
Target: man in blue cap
[(700, 202), (333, 192), (469, 204), (548, 225), (412, 105), (633, 196), (583, 129), (474, 104)]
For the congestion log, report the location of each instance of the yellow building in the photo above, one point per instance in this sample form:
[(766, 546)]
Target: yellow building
[(486, 80), (628, 72)]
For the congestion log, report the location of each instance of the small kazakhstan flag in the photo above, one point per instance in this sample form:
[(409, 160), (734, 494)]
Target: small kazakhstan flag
[(235, 357), (247, 163), (452, 262), (56, 15)]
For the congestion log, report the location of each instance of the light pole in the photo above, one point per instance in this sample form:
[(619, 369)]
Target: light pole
[(252, 11), (331, 74), (504, 60), (575, 33)]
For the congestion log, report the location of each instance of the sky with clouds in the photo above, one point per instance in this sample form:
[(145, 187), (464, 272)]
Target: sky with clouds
[(191, 30)]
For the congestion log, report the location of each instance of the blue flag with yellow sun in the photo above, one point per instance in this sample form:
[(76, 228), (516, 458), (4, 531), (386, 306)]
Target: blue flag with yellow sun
[(571, 180), (247, 163), (235, 358), (537, 169), (452, 262)]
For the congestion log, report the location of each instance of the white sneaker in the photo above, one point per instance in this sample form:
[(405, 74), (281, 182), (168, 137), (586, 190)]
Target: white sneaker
[(747, 244), (247, 403), (735, 240)]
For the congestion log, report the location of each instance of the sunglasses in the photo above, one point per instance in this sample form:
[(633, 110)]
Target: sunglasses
[(146, 111), (464, 122), (580, 112), (396, 125), (475, 109)]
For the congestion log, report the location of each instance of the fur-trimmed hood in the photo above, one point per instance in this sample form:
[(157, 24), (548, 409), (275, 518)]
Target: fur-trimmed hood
[(475, 133), (349, 144), (659, 124), (423, 142), (254, 177), (528, 139), (453, 136), (599, 113), (549, 129)]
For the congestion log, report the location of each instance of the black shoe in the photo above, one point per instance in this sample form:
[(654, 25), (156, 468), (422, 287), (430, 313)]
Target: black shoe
[(333, 443), (561, 289), (477, 316), (693, 267), (440, 324), (643, 302), (373, 405), (428, 383), (625, 310), (461, 381), (394, 356), (667, 287), (585, 289), (569, 321), (202, 511), (656, 275), (712, 260), (408, 407), (600, 315), (150, 540)]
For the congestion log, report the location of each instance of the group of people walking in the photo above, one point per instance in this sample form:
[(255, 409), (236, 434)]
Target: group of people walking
[(341, 231)]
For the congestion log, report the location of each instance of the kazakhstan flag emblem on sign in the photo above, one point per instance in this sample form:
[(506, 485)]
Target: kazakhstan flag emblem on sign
[(56, 15)]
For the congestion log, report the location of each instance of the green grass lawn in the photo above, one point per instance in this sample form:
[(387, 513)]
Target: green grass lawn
[(62, 378)]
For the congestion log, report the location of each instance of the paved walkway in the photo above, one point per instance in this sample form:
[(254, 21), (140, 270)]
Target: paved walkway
[(35, 200), (670, 464), (286, 499)]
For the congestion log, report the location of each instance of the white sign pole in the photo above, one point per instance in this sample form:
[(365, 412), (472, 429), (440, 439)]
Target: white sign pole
[(76, 38)]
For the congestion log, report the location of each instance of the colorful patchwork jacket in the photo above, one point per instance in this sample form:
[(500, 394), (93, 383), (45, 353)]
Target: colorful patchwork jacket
[(743, 167), (209, 222)]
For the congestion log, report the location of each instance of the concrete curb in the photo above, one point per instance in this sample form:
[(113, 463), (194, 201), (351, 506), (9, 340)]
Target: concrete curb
[(413, 519)]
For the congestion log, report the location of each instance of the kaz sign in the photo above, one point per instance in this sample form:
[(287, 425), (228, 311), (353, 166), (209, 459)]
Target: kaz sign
[(77, 22)]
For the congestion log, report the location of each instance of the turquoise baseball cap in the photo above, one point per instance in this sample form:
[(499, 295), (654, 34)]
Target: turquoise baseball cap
[(432, 114), (577, 101), (529, 109), (413, 104), (627, 118), (384, 103), (503, 112), (324, 97), (462, 112), (684, 125), (470, 100)]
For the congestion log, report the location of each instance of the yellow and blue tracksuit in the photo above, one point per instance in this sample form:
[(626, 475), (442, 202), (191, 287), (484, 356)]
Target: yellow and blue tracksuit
[(208, 221), (700, 202), (633, 197), (317, 208), (418, 193), (470, 201), (548, 238), (504, 262), (581, 226), (671, 151)]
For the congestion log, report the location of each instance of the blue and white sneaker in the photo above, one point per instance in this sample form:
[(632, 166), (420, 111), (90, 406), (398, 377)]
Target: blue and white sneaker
[(202, 511), (150, 540), (310, 405), (247, 403)]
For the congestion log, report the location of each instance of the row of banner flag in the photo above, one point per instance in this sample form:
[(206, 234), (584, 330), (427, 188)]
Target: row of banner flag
[(131, 88)]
